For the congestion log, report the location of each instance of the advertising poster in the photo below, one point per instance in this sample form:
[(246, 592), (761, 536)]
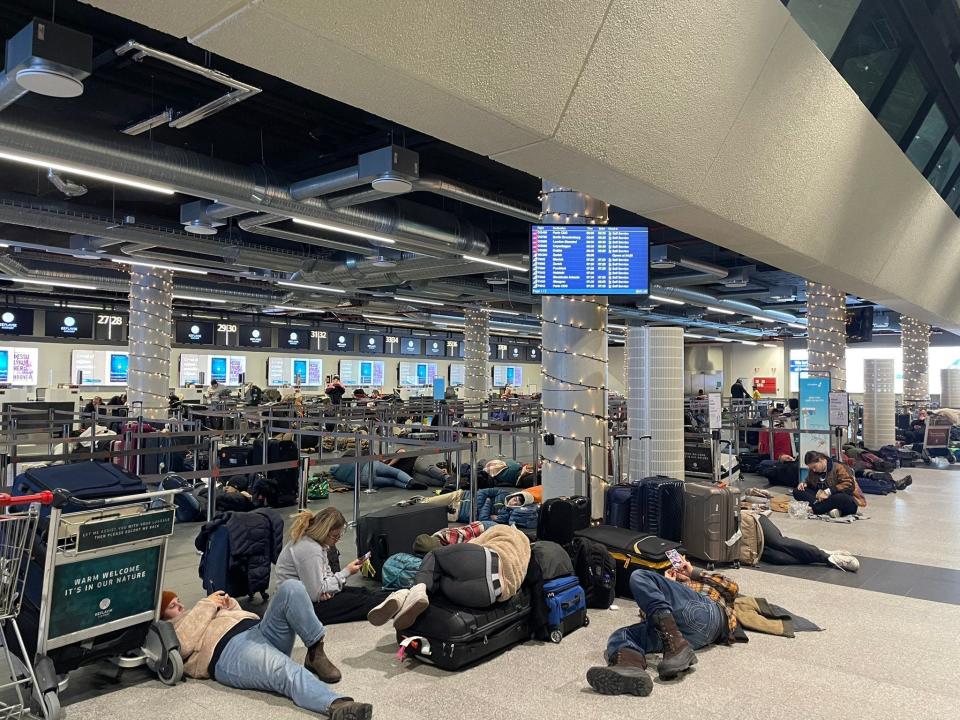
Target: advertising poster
[(119, 368), (23, 366), (299, 371), (314, 372), (457, 374), (218, 368), (507, 375), (189, 370), (236, 369), (4, 366), (83, 368), (277, 374), (814, 415)]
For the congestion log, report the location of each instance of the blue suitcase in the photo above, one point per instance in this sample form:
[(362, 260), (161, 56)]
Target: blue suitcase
[(616, 506), (566, 606), (85, 481)]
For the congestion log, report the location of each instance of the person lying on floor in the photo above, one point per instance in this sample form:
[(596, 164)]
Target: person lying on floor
[(306, 559), (685, 610), (422, 469), (781, 550), (510, 473), (383, 476), (218, 640), (829, 486)]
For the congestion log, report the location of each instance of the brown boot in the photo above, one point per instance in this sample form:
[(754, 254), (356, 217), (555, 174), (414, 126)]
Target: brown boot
[(625, 674), (346, 708), (319, 664), (678, 656)]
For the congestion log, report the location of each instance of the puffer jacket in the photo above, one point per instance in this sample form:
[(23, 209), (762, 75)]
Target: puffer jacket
[(255, 540)]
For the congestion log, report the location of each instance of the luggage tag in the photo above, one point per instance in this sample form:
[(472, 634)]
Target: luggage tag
[(413, 640)]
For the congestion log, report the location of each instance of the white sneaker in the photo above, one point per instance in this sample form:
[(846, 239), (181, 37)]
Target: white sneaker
[(413, 606), (388, 608), (847, 563), (835, 513)]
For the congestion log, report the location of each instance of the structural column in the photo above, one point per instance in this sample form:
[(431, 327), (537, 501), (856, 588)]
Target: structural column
[(827, 333), (476, 350), (654, 383), (950, 387), (151, 297), (879, 403), (574, 367), (915, 344)]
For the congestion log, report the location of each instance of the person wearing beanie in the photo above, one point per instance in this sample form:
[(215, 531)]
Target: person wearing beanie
[(221, 641)]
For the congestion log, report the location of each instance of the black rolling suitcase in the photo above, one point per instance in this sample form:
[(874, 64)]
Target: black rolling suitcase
[(452, 637), (286, 478), (631, 551), (393, 530), (656, 507), (561, 517)]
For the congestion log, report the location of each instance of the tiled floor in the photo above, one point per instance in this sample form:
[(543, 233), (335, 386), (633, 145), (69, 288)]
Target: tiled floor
[(889, 646)]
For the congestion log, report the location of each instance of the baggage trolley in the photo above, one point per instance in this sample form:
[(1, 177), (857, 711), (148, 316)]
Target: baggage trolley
[(99, 592), (17, 532)]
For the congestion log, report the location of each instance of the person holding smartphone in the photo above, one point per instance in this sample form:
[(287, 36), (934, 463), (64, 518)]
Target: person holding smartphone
[(307, 558), (829, 487)]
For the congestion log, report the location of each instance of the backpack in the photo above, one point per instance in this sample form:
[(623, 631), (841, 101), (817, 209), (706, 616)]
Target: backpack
[(400, 570), (596, 570), (187, 506), (751, 540), (254, 395)]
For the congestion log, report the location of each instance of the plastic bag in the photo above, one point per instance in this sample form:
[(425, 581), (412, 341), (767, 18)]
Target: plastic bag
[(798, 509), (940, 463)]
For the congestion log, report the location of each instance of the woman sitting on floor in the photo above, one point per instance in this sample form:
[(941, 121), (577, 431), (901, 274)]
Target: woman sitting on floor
[(306, 558), (829, 486)]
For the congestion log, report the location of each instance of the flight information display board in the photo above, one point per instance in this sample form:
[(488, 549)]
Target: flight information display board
[(589, 260)]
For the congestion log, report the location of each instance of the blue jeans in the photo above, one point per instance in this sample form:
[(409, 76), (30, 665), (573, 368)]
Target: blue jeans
[(383, 475), (699, 619), (259, 659)]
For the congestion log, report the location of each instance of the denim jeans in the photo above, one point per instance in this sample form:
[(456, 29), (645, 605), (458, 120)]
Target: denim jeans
[(383, 475), (259, 659), (699, 619)]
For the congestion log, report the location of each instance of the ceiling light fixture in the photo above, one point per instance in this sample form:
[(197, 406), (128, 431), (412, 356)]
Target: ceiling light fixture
[(402, 298), (692, 335), (195, 298), (346, 231), (747, 342), (495, 263), (306, 286), (73, 170), (770, 345), (292, 308), (711, 308), (762, 319), (497, 311), (52, 283), (76, 306), (388, 318), (660, 298), (159, 266), (797, 325)]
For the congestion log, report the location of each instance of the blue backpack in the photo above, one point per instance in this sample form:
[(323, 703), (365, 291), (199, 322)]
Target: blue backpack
[(400, 570), (525, 517)]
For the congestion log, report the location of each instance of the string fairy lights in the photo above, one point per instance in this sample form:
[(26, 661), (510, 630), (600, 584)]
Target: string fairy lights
[(915, 344), (827, 332), (151, 300), (476, 349)]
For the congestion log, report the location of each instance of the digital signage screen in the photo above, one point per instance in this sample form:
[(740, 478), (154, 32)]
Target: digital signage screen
[(371, 344), (254, 336), (339, 341), (14, 321), (68, 324), (860, 324), (293, 338), (434, 347), (194, 332), (589, 260), (411, 346)]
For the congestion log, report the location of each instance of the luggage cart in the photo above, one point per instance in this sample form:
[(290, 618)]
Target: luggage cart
[(17, 532), (99, 592)]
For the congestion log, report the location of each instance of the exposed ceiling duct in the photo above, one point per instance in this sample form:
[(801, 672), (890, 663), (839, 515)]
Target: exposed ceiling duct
[(47, 59), (67, 186), (704, 299), (633, 313), (367, 273), (668, 256)]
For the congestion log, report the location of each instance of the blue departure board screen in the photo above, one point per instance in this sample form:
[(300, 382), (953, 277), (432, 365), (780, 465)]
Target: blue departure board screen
[(589, 260)]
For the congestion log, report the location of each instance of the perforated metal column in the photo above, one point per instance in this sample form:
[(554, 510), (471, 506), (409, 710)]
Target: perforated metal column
[(879, 403), (827, 332), (915, 343), (654, 382), (476, 351), (150, 325), (950, 388)]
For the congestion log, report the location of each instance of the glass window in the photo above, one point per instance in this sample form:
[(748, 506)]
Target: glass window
[(928, 138), (825, 21), (905, 99), (946, 165), (869, 52)]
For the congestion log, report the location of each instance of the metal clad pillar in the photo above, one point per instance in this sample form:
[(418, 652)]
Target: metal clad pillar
[(151, 297)]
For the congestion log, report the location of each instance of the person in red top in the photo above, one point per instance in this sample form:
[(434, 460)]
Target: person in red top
[(782, 441)]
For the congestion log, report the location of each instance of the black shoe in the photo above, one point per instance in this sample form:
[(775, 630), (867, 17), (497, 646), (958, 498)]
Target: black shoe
[(348, 709), (620, 680), (414, 485)]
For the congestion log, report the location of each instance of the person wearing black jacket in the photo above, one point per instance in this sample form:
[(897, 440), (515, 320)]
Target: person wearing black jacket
[(738, 391)]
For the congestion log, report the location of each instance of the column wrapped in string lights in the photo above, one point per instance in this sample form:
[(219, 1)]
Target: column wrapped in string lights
[(476, 351), (654, 382), (574, 367), (915, 344), (148, 381), (950, 387), (879, 403), (827, 332)]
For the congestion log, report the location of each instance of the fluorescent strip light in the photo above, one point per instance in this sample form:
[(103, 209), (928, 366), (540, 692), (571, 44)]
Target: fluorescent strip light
[(762, 319), (797, 325), (720, 310), (4, 245), (73, 170), (159, 266), (499, 312), (621, 328), (698, 337), (720, 339), (199, 299), (389, 318), (75, 306), (495, 263), (747, 342), (52, 283), (418, 300), (291, 308), (771, 345), (346, 231), (305, 286), (660, 298)]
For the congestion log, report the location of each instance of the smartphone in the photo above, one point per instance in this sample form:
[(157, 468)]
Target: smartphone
[(366, 557), (675, 559)]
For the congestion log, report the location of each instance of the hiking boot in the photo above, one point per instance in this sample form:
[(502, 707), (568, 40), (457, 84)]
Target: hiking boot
[(319, 664), (388, 608), (904, 482), (625, 674), (346, 708), (413, 606), (678, 656)]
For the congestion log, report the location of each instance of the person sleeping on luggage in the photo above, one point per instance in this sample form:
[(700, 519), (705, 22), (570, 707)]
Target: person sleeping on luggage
[(219, 640), (685, 610), (829, 487), (306, 558)]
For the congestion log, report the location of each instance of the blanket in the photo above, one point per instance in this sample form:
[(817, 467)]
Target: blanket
[(513, 549)]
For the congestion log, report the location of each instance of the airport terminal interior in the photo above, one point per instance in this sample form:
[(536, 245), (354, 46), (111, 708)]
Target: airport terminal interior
[(411, 358)]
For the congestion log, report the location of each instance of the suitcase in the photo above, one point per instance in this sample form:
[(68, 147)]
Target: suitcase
[(566, 606), (149, 464), (393, 530), (561, 517), (231, 456), (452, 638), (750, 461), (656, 507), (711, 523), (631, 551), (287, 479), (86, 481), (616, 506)]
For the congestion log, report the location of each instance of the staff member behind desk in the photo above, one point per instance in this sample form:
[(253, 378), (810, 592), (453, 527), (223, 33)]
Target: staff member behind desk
[(829, 487), (687, 610), (218, 640), (306, 559)]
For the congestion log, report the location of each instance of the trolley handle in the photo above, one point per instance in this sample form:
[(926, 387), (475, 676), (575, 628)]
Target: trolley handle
[(61, 498), (44, 498)]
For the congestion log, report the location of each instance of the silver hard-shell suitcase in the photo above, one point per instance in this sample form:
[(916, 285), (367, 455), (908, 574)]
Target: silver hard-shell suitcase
[(711, 523)]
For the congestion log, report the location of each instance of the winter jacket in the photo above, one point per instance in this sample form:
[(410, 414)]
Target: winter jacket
[(466, 574), (255, 540), (838, 478), (200, 629)]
